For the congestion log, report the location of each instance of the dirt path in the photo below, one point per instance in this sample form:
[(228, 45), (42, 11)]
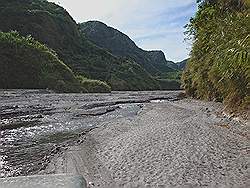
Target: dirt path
[(182, 143)]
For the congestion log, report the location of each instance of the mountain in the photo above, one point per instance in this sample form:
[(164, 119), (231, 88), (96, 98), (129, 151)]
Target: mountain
[(173, 65), (52, 25), (181, 65), (121, 45), (26, 63)]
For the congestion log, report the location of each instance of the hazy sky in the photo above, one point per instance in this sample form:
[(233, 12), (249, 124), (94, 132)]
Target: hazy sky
[(152, 24)]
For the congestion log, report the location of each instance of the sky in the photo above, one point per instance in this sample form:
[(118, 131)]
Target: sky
[(152, 24)]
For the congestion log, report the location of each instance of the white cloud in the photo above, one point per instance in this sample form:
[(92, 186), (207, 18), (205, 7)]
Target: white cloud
[(140, 19), (173, 45)]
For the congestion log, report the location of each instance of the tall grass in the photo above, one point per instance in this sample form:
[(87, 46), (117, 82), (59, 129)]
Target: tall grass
[(219, 66)]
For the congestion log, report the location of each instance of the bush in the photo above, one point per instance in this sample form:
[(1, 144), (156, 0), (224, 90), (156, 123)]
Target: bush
[(94, 86)]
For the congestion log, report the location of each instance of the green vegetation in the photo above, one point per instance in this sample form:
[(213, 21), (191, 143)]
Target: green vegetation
[(169, 84), (153, 62), (219, 66), (170, 80), (119, 44), (51, 24), (181, 65), (26, 63), (122, 65), (94, 85), (175, 75)]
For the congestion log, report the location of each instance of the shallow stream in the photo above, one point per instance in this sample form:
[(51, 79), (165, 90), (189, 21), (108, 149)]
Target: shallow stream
[(36, 124)]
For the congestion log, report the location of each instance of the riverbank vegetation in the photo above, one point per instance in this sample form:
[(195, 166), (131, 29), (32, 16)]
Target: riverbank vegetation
[(219, 65)]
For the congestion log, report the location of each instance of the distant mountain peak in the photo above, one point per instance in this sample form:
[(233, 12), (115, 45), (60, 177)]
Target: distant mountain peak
[(121, 45)]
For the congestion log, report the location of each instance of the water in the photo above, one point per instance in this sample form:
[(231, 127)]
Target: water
[(35, 125)]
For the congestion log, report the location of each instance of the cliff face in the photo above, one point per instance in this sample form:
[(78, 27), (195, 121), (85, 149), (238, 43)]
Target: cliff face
[(50, 24), (121, 45)]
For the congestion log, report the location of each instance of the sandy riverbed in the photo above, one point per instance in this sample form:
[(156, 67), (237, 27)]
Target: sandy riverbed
[(185, 143)]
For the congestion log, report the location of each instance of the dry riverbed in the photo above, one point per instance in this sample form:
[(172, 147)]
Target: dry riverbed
[(123, 139)]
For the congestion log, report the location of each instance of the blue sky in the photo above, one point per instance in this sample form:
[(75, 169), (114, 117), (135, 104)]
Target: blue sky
[(152, 24)]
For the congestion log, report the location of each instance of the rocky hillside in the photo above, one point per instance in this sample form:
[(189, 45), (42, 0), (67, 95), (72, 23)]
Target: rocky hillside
[(50, 24), (121, 45)]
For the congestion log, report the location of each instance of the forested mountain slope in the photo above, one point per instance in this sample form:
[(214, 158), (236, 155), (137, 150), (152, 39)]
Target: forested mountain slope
[(27, 64), (121, 45), (51, 24)]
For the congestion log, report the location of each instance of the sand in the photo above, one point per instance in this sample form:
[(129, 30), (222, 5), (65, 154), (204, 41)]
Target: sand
[(185, 143)]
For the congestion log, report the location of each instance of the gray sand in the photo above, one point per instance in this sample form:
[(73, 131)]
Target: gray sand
[(185, 143)]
